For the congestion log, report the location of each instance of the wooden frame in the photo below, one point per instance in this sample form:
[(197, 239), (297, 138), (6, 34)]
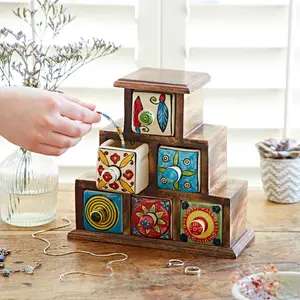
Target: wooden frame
[(190, 133)]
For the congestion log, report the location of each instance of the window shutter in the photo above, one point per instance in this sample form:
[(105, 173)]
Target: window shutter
[(293, 106), (135, 25), (242, 44)]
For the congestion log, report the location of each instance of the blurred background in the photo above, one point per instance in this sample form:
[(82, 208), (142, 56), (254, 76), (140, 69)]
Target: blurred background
[(242, 44)]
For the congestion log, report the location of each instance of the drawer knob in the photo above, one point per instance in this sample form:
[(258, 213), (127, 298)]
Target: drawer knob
[(146, 117), (173, 174), (111, 174)]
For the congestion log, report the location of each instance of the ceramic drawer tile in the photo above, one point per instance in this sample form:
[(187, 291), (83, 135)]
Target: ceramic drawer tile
[(178, 169), (122, 170), (153, 113), (102, 211), (201, 223), (151, 217)]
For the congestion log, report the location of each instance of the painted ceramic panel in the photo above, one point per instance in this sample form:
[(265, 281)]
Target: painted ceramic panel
[(153, 113), (116, 170), (102, 211), (178, 169), (201, 223), (122, 170), (151, 217)]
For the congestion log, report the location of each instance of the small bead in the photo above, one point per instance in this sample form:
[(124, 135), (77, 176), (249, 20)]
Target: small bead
[(2, 257), (5, 272), (28, 270), (7, 251), (1, 265)]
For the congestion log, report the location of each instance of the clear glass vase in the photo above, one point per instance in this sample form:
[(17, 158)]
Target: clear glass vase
[(28, 189)]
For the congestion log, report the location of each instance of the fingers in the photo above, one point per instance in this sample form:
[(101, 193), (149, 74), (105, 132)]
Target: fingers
[(71, 128), (84, 104), (49, 150), (74, 109), (76, 112), (59, 140)]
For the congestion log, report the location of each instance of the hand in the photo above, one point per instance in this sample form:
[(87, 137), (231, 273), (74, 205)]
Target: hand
[(44, 122)]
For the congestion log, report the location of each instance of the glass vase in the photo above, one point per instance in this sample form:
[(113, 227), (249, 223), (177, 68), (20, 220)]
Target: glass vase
[(28, 189)]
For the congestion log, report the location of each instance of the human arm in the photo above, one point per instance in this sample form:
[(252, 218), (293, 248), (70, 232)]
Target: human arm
[(44, 122)]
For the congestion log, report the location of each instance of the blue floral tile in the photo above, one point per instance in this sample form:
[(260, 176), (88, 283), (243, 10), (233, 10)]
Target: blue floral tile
[(178, 169)]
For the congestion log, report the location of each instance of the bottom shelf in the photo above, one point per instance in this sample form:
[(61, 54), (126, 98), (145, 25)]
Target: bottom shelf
[(222, 252)]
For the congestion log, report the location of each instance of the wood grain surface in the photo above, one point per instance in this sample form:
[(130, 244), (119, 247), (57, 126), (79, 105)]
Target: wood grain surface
[(211, 140), (144, 275), (232, 195), (163, 80)]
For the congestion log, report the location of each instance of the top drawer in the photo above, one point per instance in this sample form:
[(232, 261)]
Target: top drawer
[(153, 113)]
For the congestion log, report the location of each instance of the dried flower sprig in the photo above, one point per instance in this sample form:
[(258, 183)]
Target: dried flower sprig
[(42, 65), (261, 286), (279, 149), (256, 285), (37, 62)]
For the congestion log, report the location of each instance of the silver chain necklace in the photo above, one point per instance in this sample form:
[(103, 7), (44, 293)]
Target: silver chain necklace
[(62, 276)]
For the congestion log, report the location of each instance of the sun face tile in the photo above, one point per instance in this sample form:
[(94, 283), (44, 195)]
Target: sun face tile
[(178, 169), (102, 211), (153, 113), (122, 170), (201, 223), (151, 217)]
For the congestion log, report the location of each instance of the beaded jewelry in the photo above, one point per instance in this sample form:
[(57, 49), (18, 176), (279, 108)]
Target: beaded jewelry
[(27, 269), (62, 276), (118, 128), (6, 272), (3, 253)]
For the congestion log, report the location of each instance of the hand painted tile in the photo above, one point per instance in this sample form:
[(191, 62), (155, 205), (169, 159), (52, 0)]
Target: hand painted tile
[(102, 211), (178, 169), (153, 113), (122, 170), (151, 217), (201, 223)]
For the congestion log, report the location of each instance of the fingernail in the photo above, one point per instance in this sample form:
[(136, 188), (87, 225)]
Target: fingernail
[(98, 117)]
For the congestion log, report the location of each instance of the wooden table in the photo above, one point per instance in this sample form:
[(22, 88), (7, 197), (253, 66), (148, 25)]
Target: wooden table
[(144, 275)]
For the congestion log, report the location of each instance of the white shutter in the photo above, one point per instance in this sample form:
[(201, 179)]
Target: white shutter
[(293, 112), (94, 82), (242, 44), (132, 24), (123, 22)]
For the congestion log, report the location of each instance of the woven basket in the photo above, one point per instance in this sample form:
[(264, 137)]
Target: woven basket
[(281, 179)]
